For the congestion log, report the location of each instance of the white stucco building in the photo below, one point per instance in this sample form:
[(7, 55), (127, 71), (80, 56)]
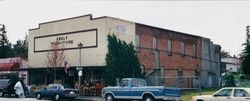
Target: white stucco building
[(91, 32), (232, 64)]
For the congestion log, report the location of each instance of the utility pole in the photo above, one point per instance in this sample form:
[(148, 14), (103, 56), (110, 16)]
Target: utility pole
[(79, 69)]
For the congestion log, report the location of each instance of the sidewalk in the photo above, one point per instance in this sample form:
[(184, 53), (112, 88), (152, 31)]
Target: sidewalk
[(90, 98)]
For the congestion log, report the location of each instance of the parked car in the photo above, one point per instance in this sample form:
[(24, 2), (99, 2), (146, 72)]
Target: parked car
[(7, 87), (137, 89), (226, 94), (57, 91)]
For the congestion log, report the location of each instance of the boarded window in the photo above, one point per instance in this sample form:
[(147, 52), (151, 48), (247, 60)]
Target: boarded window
[(182, 50), (194, 50), (169, 47), (180, 75), (137, 42), (156, 59), (162, 71), (154, 43)]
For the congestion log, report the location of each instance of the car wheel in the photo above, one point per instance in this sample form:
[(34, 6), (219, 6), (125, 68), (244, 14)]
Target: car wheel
[(109, 97), (38, 96), (148, 98), (57, 97)]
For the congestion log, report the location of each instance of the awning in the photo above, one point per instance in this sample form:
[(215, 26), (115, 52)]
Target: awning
[(9, 66)]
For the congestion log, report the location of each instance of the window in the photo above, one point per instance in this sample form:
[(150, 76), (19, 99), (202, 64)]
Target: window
[(194, 50), (224, 92), (182, 50), (138, 83), (156, 59), (137, 42), (169, 47), (162, 71), (240, 93), (154, 43), (180, 75), (124, 83)]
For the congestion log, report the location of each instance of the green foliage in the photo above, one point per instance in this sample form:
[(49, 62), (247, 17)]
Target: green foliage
[(21, 49), (5, 46), (121, 61), (229, 80), (245, 66)]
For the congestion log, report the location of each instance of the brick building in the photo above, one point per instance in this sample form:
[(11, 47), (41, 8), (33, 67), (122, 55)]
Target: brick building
[(162, 53), (175, 58)]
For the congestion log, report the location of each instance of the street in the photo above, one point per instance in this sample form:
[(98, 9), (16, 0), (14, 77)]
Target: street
[(81, 98), (31, 99), (22, 99)]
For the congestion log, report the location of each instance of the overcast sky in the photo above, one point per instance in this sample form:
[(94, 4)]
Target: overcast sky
[(224, 22)]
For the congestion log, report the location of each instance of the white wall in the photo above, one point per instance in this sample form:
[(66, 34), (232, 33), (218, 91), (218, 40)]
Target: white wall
[(94, 56)]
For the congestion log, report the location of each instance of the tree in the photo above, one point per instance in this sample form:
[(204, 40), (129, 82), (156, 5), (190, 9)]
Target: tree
[(121, 61), (55, 57), (245, 66), (21, 48), (225, 54), (5, 45), (229, 80)]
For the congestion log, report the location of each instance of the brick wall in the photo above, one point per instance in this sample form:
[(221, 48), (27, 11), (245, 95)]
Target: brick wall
[(170, 62)]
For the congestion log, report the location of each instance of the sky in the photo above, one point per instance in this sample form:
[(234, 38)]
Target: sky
[(224, 22)]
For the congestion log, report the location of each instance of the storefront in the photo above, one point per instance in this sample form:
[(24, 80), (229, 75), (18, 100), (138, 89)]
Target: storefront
[(81, 43), (13, 68)]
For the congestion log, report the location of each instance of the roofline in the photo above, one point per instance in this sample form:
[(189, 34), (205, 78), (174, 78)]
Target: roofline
[(90, 15), (170, 30), (91, 18)]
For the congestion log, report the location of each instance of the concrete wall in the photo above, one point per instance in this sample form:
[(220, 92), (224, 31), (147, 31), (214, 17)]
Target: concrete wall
[(92, 32), (210, 63)]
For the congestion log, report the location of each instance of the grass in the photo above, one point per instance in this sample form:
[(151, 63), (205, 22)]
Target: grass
[(188, 94)]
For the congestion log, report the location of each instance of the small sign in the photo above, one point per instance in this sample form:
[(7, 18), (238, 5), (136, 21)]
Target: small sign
[(79, 72), (120, 28)]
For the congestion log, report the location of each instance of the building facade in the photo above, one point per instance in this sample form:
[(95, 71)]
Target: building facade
[(210, 61), (167, 57), (91, 32), (231, 64), (176, 58)]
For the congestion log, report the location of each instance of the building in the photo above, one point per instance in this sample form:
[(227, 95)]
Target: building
[(210, 63), (162, 53), (230, 64), (177, 58), (14, 68)]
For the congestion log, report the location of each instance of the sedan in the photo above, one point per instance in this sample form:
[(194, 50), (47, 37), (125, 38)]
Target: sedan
[(56, 91), (226, 94)]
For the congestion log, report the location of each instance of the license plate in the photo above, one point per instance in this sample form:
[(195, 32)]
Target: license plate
[(71, 92)]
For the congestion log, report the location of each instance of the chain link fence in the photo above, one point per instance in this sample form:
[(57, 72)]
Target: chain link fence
[(183, 82)]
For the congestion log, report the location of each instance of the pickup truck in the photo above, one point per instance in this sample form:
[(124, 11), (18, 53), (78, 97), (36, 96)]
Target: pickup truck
[(137, 89)]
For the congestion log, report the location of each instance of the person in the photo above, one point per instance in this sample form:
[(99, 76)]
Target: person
[(76, 85), (19, 90)]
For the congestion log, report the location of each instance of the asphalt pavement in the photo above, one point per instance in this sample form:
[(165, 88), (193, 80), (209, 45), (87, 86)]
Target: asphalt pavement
[(80, 98)]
